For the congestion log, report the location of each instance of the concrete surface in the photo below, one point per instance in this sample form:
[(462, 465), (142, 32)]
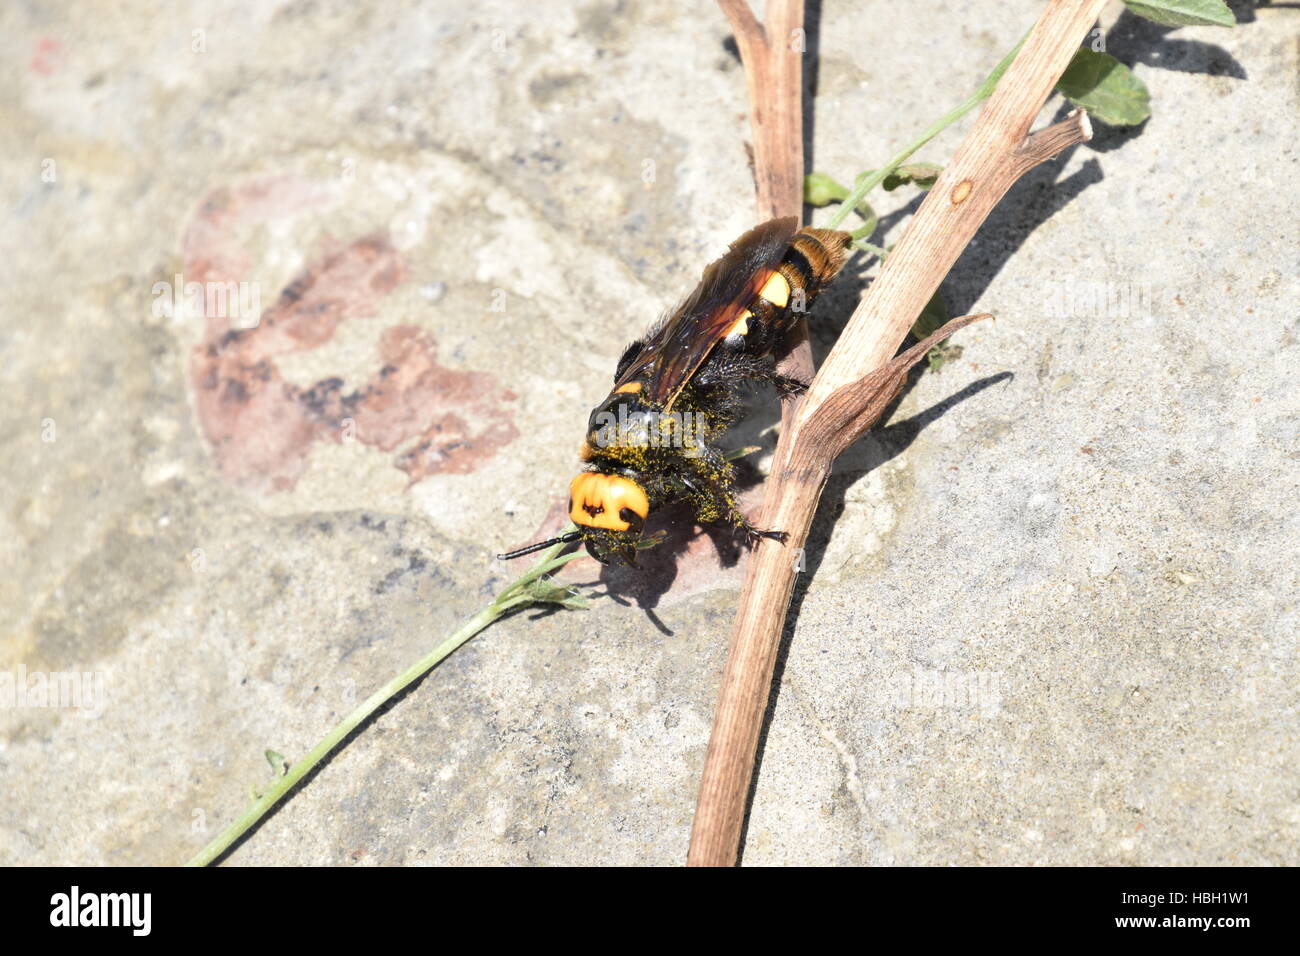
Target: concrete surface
[(1051, 609)]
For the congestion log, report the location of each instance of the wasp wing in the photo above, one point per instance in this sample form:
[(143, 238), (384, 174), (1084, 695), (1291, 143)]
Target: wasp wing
[(673, 352)]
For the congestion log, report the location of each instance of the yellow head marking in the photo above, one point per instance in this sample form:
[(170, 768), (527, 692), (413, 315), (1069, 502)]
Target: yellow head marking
[(633, 387), (777, 290), (596, 501)]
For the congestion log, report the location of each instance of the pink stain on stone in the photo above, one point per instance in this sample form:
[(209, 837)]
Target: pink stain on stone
[(261, 428)]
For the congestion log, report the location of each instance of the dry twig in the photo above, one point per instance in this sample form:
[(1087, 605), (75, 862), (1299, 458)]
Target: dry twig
[(858, 379)]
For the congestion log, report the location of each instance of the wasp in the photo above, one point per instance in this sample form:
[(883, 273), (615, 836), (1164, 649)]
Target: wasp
[(654, 439)]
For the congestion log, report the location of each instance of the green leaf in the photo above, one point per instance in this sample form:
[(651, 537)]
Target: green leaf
[(1106, 88), (820, 190), (922, 174), (546, 591), (651, 541), (1181, 13), (941, 355), (932, 317)]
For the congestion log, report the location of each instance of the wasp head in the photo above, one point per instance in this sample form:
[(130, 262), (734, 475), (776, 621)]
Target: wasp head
[(610, 512)]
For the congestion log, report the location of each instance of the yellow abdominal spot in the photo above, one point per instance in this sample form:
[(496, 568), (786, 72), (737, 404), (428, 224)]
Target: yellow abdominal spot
[(777, 291), (595, 501), (742, 324), (633, 387)]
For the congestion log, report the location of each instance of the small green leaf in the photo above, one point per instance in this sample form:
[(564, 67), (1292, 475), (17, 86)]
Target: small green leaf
[(1106, 88), (921, 174), (941, 355), (820, 190), (277, 761), (546, 591), (651, 541), (1181, 13), (932, 317)]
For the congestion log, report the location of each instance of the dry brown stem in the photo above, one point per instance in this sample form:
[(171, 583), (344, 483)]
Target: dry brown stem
[(854, 385)]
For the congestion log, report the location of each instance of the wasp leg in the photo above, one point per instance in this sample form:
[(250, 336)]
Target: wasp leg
[(755, 535), (722, 497), (727, 370), (789, 387)]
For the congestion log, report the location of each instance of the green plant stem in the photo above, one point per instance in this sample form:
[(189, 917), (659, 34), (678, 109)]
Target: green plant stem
[(517, 594), (874, 179), (880, 252)]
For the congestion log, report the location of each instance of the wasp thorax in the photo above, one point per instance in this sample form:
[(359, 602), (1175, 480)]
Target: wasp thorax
[(610, 502), (621, 422)]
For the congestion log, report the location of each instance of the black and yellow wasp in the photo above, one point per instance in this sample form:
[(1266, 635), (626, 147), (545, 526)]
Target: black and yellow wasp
[(652, 441)]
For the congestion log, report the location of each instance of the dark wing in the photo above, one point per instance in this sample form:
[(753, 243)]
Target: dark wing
[(672, 353)]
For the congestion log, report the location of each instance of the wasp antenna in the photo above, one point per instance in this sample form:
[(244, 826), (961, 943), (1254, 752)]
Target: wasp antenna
[(562, 539)]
